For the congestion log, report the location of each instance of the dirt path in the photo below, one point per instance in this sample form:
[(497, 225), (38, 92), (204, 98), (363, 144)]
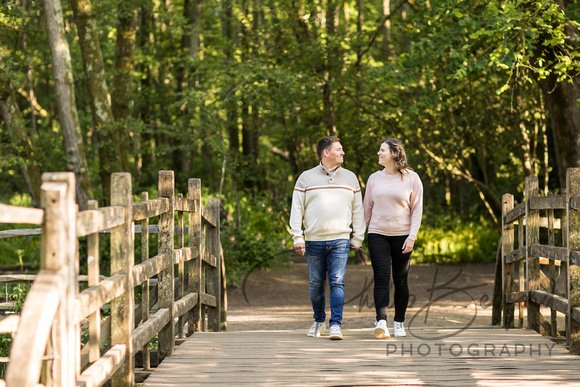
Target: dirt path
[(451, 296)]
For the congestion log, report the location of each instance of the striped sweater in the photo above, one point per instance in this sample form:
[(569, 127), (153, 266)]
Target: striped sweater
[(330, 205)]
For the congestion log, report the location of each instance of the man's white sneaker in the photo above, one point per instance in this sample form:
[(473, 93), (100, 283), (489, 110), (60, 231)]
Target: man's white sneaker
[(316, 329), (381, 331), (335, 333), (399, 330)]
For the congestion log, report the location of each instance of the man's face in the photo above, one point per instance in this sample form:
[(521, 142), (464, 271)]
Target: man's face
[(335, 155)]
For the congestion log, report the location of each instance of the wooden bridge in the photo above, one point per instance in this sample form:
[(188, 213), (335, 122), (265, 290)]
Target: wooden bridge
[(62, 337)]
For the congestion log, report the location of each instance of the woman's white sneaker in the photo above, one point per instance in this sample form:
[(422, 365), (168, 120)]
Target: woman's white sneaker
[(381, 331), (399, 330)]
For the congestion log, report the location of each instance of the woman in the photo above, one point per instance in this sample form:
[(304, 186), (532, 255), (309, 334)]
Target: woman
[(393, 206)]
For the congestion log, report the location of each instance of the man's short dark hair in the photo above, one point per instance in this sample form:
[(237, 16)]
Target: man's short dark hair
[(326, 143)]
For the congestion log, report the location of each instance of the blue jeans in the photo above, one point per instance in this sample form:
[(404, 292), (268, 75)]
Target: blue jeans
[(327, 257)]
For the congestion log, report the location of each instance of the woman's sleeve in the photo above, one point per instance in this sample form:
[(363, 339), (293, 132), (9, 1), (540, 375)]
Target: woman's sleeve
[(416, 206), (368, 202)]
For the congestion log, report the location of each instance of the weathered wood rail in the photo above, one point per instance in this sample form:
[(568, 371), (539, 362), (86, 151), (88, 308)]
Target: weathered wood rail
[(543, 230), (46, 347)]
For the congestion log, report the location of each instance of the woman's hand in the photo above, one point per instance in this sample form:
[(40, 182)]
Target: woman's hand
[(408, 246)]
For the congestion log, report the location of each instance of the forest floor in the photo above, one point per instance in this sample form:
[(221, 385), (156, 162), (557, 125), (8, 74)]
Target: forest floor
[(451, 296)]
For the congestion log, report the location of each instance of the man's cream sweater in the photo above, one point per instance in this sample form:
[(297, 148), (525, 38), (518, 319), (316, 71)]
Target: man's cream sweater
[(330, 205)]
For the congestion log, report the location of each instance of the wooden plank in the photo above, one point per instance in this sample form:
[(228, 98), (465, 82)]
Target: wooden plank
[(103, 338), (508, 285), (20, 232), (180, 262), (515, 297), (209, 258), (516, 255), (93, 260), (23, 215), (575, 202), (94, 221), (573, 186), (552, 301), (122, 256), (166, 188), (150, 208), (533, 261), (554, 202), (214, 272), (208, 299), (208, 218), (145, 270), (146, 331), (184, 304), (143, 310), (9, 324), (102, 370), (27, 350), (91, 299), (185, 254), (575, 258), (183, 204), (515, 213), (194, 239), (550, 252)]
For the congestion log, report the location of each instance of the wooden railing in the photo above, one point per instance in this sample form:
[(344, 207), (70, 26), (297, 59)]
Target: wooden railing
[(542, 235), (46, 346)]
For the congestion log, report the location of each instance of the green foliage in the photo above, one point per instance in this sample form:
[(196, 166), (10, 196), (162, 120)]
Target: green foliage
[(459, 242), (19, 250)]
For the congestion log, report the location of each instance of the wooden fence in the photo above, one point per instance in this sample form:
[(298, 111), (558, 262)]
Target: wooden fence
[(546, 232), (46, 346)]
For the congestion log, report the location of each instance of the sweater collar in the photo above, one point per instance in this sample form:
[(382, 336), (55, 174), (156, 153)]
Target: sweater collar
[(327, 172)]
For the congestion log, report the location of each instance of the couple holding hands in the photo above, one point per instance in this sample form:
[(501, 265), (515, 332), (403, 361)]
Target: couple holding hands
[(327, 200)]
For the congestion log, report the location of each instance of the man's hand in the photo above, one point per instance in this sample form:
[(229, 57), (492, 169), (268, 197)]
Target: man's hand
[(300, 248), (408, 246), (354, 247)]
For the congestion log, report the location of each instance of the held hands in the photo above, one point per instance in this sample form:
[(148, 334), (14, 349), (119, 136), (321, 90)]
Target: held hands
[(354, 247), (408, 246), (300, 248)]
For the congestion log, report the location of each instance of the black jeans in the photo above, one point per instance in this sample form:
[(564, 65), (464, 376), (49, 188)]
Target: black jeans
[(387, 251)]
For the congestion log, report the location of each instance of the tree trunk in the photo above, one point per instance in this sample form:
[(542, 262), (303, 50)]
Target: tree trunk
[(65, 96), (123, 78), (96, 82), (10, 113)]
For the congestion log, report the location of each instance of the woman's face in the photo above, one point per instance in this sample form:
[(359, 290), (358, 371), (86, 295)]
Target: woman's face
[(385, 155)]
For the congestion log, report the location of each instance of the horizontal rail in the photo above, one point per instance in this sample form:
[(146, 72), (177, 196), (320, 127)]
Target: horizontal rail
[(208, 217), (554, 202), (184, 304), (24, 215), (551, 252), (516, 213), (146, 331), (90, 300), (9, 324), (515, 297), (150, 208), (93, 221), (209, 258), (102, 370), (208, 299), (516, 255), (141, 272), (550, 300), (183, 204), (185, 254)]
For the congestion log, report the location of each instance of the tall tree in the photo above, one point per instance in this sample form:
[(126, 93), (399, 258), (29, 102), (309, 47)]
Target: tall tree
[(65, 95), (98, 93)]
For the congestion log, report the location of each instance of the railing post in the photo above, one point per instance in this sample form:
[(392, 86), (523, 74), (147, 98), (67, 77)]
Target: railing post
[(145, 287), (573, 186), (122, 256), (166, 277), (214, 277), (533, 262), (93, 271), (508, 269), (194, 240)]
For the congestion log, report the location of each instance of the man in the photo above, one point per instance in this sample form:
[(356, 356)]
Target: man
[(328, 198)]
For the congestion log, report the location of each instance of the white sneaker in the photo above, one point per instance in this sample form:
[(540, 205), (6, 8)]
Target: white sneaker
[(335, 333), (316, 329), (381, 331), (399, 330)]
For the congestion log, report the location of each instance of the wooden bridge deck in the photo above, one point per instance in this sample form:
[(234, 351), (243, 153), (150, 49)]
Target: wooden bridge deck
[(476, 356)]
